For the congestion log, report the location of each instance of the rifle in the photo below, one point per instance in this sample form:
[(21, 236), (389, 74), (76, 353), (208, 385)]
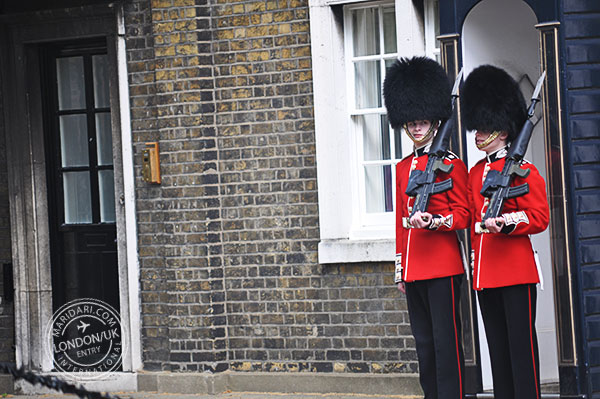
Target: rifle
[(421, 183), (497, 184)]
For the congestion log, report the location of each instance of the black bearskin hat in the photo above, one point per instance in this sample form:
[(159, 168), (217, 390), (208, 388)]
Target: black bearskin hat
[(491, 100), (416, 89)]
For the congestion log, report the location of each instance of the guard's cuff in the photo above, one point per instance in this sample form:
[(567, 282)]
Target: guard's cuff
[(399, 271), (438, 220), (512, 219)]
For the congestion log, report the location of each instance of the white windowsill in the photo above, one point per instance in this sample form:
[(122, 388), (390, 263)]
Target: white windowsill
[(348, 251)]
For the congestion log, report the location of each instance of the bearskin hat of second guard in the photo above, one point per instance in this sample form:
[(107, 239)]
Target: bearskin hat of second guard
[(491, 100), (416, 89)]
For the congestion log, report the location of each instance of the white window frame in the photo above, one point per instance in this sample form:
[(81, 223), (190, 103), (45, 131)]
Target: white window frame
[(346, 236)]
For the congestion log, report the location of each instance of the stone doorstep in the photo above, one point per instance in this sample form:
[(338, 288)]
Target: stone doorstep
[(212, 384), (319, 383)]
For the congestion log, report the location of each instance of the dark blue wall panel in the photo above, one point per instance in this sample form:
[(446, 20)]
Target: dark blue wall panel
[(588, 228), (584, 77), (583, 51), (590, 252), (579, 26), (586, 152), (587, 178), (582, 6), (585, 126), (584, 101), (591, 277)]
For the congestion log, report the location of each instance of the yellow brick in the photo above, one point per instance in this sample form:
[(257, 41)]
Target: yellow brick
[(283, 16), (256, 6), (256, 31), (238, 9), (241, 57), (225, 34), (302, 51), (173, 14), (300, 27), (157, 15), (185, 25), (338, 367), (304, 64), (165, 75), (258, 56), (241, 93), (189, 97), (239, 70), (376, 367), (266, 18), (284, 28), (238, 45), (159, 39), (189, 13), (240, 33), (161, 4), (245, 366), (271, 5), (286, 53), (304, 76), (164, 51), (240, 20), (184, 3), (163, 27), (187, 49), (255, 19)]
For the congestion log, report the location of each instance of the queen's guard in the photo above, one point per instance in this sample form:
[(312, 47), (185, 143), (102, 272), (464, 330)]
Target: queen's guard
[(505, 267), (429, 263)]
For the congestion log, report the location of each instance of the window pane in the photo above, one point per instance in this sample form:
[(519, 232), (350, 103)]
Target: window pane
[(376, 139), (378, 188), (366, 31), (367, 84), (77, 197), (74, 140), (107, 195), (70, 80), (100, 68), (104, 138), (389, 30)]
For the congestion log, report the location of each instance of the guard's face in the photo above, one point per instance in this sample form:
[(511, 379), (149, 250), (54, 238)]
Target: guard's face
[(420, 131), (490, 141)]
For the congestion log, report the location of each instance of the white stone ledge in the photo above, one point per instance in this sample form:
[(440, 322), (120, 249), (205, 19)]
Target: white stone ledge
[(351, 251)]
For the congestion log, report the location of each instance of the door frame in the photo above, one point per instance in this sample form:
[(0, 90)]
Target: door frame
[(27, 178)]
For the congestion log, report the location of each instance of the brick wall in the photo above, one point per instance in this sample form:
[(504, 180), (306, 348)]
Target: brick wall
[(228, 241)]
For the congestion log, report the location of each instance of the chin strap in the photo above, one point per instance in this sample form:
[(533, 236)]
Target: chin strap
[(487, 141)]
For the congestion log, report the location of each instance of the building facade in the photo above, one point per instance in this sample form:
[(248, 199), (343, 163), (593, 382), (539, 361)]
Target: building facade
[(260, 245)]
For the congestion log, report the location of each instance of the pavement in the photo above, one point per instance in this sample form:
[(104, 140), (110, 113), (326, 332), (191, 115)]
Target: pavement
[(224, 395)]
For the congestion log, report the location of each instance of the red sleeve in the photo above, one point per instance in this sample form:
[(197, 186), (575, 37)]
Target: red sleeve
[(531, 214), (400, 187)]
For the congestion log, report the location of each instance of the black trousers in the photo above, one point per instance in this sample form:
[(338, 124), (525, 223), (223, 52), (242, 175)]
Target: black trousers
[(433, 307), (509, 319)]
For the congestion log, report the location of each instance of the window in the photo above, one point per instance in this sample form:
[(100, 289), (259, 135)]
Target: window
[(371, 47), (432, 29), (352, 45)]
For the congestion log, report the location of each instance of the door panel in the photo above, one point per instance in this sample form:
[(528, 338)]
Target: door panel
[(78, 136)]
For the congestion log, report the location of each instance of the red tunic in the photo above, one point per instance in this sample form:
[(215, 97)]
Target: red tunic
[(423, 253), (507, 259)]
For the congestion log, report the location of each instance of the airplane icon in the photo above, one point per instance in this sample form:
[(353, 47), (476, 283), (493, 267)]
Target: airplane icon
[(83, 326)]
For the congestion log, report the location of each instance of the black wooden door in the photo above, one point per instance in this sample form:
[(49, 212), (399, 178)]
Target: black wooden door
[(80, 172)]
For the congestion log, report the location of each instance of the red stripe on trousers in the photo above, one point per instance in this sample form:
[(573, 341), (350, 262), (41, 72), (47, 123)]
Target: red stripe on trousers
[(537, 394)]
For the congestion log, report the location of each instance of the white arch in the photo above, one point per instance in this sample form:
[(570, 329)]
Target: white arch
[(503, 33)]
